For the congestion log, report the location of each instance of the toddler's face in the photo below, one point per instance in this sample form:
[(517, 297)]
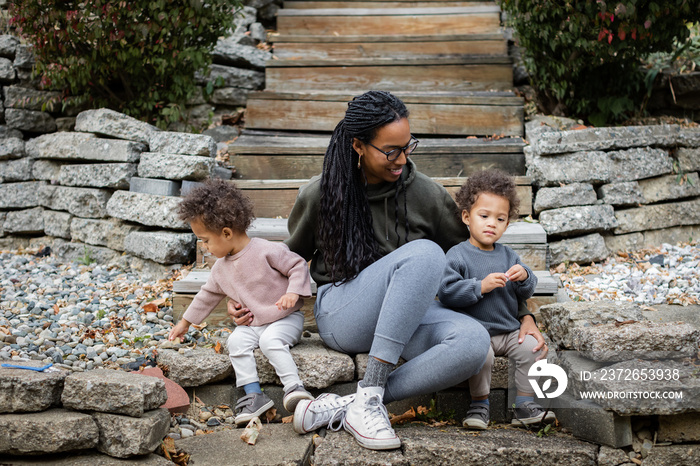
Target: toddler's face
[(219, 244), (487, 220)]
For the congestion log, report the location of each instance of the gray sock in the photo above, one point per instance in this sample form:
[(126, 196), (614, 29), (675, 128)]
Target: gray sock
[(377, 372)]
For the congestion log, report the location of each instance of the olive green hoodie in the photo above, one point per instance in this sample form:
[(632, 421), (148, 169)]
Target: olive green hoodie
[(432, 214)]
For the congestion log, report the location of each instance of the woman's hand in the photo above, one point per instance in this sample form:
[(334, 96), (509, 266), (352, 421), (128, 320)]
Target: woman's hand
[(529, 327), (240, 315)]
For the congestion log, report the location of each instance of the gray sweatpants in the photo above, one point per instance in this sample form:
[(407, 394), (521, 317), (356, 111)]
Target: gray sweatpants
[(390, 311)]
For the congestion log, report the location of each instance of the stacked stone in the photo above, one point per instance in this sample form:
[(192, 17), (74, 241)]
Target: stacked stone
[(602, 190), (238, 68), (115, 412), (613, 348), (81, 189)]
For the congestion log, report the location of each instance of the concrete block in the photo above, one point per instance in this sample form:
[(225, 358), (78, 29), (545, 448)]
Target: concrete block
[(175, 166), (582, 249), (81, 202), (623, 194), (164, 247), (654, 217), (110, 123), (25, 222), (681, 428), (182, 143), (20, 195), (590, 422), (27, 391), (111, 233), (124, 436), (147, 209), (97, 175), (110, 150), (564, 196), (155, 186), (16, 170)]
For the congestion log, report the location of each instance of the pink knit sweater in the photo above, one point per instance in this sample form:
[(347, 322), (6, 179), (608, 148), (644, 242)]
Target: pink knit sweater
[(255, 277)]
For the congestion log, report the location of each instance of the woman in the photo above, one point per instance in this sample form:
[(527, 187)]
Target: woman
[(376, 231)]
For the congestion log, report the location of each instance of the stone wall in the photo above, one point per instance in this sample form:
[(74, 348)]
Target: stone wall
[(237, 61), (602, 190), (107, 191)]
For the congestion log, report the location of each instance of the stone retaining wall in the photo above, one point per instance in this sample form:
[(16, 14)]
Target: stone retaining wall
[(114, 412), (75, 190), (602, 190)]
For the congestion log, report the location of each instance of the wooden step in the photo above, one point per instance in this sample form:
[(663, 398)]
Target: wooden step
[(463, 73), (275, 198), (446, 113), (257, 156), (390, 21), (381, 4), (398, 47)]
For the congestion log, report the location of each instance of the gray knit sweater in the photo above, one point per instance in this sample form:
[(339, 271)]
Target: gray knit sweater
[(460, 289)]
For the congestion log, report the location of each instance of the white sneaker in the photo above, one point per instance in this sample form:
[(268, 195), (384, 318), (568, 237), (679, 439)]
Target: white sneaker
[(327, 410), (367, 420)]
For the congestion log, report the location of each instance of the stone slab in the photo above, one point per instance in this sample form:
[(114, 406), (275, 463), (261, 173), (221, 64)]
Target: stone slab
[(182, 143), (81, 202), (164, 247), (676, 455), (175, 166), (568, 221), (20, 195), (113, 391), (24, 390), (670, 187), (154, 186), (556, 142), (31, 99), (8, 45), (110, 123), (97, 175), (452, 445), (582, 249), (276, 445), (196, 367), (16, 170), (76, 251), (24, 222), (643, 340), (56, 145), (588, 421), (658, 216), (52, 431), (622, 194), (47, 170), (12, 148), (688, 158), (681, 428), (57, 223), (111, 233), (29, 120), (564, 196), (623, 165), (561, 318), (233, 77), (110, 150), (88, 458), (147, 209), (124, 436)]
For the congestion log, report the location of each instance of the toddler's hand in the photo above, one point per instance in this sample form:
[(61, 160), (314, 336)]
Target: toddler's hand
[(517, 273), (286, 301), (179, 330), (493, 281)]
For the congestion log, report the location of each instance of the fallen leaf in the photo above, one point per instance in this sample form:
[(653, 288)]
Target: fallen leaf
[(55, 308), (401, 418), (251, 431), (159, 302), (150, 307), (288, 419), (270, 414), (422, 410), (218, 348)]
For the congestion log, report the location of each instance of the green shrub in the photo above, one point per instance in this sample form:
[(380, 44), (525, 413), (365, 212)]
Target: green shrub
[(137, 56), (584, 57)]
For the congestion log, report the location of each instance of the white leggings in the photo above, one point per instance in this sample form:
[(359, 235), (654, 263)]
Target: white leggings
[(274, 340)]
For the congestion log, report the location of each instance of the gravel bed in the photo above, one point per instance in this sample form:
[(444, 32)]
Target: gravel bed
[(666, 275), (82, 316)]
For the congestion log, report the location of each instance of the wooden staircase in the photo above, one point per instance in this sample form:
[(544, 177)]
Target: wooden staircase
[(447, 60)]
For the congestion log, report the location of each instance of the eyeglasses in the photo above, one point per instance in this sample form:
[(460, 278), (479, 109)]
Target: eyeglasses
[(394, 154)]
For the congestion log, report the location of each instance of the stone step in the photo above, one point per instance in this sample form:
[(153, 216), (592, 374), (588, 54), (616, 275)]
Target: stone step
[(372, 46), (478, 19), (456, 74), (257, 155), (475, 113), (275, 198)]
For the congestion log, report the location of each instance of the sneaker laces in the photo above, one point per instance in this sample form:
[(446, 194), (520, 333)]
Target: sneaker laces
[(376, 415), (331, 410)]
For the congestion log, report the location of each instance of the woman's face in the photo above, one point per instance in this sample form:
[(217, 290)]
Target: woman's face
[(374, 163)]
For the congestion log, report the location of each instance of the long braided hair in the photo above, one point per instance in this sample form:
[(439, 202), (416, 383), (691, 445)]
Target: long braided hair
[(345, 221)]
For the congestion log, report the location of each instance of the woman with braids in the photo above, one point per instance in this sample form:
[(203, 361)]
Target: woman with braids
[(376, 231)]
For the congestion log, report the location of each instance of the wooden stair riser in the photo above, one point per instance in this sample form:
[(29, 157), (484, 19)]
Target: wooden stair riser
[(306, 166), (276, 199), (398, 50), (370, 23), (498, 77), (426, 118)]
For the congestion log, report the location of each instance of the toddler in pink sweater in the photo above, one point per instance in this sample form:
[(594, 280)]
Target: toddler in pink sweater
[(264, 277)]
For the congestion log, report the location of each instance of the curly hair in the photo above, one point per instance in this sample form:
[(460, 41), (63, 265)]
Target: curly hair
[(489, 181), (217, 204), (345, 228)]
